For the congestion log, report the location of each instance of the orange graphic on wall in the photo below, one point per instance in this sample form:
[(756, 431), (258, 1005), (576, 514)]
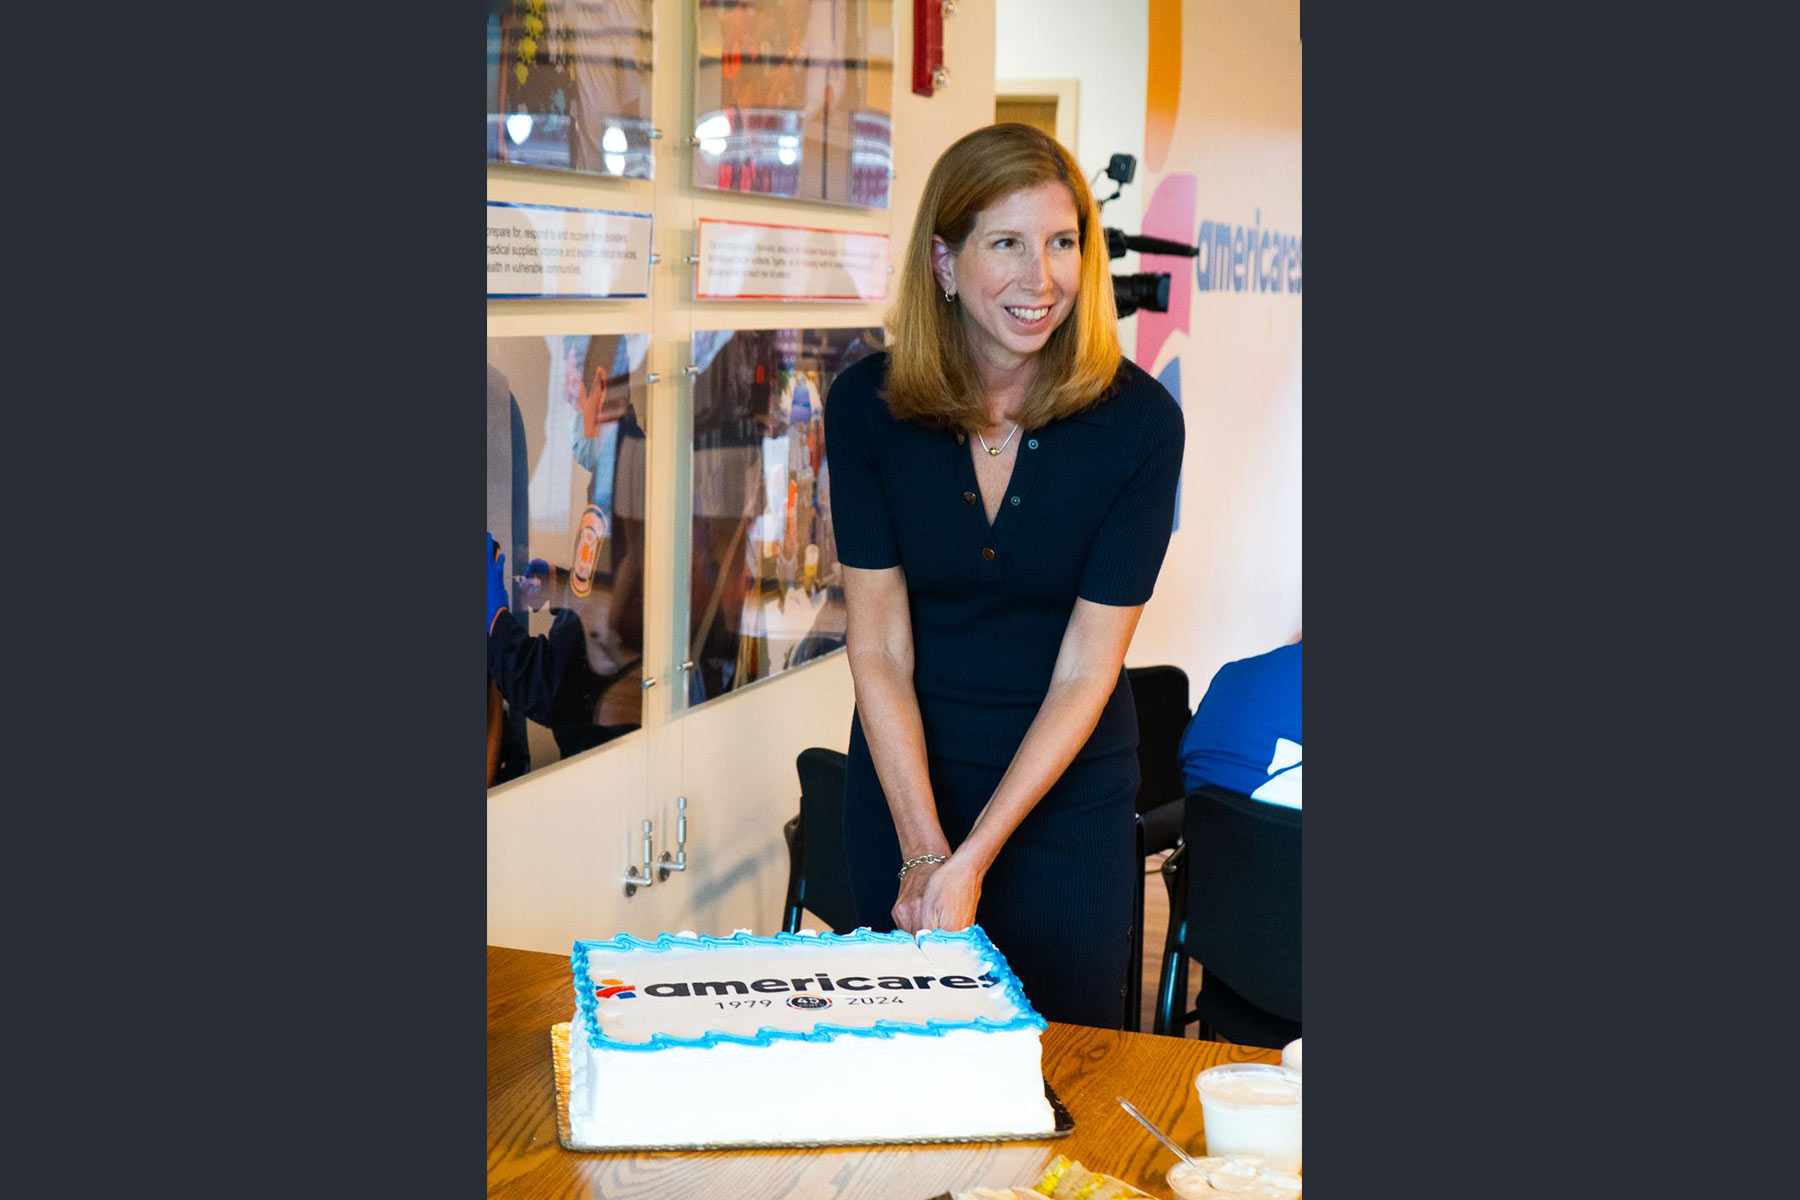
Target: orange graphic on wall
[(1162, 81)]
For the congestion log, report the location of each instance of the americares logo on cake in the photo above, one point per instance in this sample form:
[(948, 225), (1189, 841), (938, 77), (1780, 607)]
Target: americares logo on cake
[(821, 981)]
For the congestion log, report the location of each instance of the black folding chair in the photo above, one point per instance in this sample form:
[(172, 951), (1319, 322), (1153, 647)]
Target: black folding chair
[(818, 877), (1234, 907), (1160, 695)]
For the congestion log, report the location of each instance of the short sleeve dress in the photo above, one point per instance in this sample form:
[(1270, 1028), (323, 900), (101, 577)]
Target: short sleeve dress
[(1087, 514)]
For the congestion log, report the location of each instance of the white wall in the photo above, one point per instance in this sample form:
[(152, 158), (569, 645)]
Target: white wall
[(1101, 46), (1231, 586)]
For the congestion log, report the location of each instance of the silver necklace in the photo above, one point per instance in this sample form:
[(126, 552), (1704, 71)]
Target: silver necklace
[(994, 451)]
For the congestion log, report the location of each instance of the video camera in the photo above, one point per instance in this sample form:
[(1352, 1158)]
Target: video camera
[(1148, 289)]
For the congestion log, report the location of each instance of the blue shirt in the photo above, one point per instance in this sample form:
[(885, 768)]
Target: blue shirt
[(1235, 740)]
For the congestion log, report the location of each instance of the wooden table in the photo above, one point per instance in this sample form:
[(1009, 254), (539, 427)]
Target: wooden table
[(529, 992)]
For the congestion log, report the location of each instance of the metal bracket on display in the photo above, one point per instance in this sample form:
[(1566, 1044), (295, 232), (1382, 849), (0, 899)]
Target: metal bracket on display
[(679, 861), (634, 881), (655, 868)]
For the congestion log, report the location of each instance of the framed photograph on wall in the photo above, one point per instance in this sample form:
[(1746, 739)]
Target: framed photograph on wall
[(566, 499), (765, 590), (794, 98), (569, 85)]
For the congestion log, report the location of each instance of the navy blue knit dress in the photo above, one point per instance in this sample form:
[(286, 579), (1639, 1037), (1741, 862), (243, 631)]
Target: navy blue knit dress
[(1087, 514)]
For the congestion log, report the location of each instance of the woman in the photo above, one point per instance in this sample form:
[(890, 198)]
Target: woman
[(1003, 492)]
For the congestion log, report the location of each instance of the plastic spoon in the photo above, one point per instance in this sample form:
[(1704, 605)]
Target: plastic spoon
[(1159, 1135)]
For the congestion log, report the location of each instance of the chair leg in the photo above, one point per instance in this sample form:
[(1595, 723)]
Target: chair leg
[(796, 858), (1134, 972), (1167, 1022), (1171, 992), (1177, 884), (1181, 993)]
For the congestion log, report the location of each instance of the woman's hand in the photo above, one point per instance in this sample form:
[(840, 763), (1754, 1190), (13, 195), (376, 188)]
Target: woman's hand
[(938, 896), (908, 905)]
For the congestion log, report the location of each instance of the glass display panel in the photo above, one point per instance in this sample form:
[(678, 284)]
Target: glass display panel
[(569, 85), (754, 260), (793, 98), (766, 593), (566, 495)]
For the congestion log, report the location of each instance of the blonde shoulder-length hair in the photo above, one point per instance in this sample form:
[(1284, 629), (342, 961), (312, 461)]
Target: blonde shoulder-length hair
[(931, 374)]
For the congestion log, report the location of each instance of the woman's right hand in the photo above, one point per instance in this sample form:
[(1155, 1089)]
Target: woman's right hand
[(909, 906), (937, 896)]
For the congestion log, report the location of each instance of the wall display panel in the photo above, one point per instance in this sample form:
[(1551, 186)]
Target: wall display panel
[(569, 85), (766, 592), (552, 251), (566, 501), (794, 98), (747, 260)]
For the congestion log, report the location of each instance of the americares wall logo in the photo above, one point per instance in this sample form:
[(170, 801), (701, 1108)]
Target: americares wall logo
[(615, 989), (1238, 258)]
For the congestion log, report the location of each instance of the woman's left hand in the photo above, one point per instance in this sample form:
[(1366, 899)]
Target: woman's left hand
[(951, 896)]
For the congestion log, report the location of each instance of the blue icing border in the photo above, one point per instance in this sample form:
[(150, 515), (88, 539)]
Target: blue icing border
[(974, 935)]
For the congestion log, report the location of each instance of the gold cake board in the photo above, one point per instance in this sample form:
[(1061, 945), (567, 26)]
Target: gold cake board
[(559, 1057)]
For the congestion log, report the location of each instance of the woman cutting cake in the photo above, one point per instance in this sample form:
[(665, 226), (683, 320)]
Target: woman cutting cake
[(1003, 493)]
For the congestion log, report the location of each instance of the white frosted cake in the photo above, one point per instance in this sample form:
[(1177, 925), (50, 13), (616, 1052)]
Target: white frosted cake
[(865, 1037)]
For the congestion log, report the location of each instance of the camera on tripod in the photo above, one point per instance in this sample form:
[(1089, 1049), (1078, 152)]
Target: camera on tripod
[(1148, 289)]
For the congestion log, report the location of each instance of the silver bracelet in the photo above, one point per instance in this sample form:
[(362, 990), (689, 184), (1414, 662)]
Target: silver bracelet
[(924, 860)]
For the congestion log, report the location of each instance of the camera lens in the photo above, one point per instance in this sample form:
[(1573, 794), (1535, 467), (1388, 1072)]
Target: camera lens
[(1148, 290)]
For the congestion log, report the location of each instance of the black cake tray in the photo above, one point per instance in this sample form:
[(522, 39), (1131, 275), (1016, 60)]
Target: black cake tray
[(559, 1057)]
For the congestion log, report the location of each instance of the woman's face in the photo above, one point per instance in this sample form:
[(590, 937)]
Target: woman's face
[(1017, 274)]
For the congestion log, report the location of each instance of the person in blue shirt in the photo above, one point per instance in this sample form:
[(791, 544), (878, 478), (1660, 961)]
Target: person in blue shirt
[(1245, 737)]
